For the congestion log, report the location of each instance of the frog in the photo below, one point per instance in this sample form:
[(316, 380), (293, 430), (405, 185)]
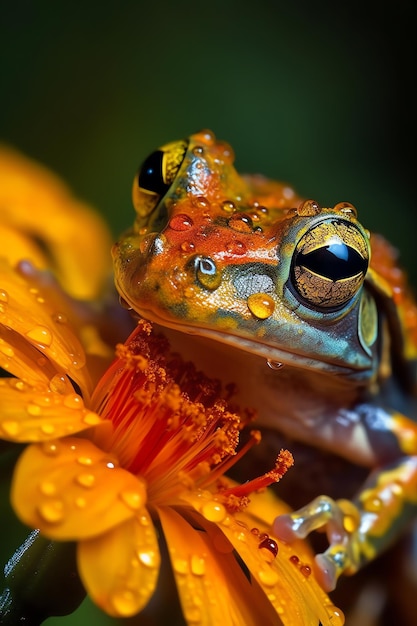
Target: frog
[(304, 310)]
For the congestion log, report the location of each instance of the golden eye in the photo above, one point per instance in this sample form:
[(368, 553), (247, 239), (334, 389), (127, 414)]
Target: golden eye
[(330, 263), (155, 176)]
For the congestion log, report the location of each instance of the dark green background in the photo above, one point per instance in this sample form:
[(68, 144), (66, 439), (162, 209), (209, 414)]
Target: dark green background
[(319, 95)]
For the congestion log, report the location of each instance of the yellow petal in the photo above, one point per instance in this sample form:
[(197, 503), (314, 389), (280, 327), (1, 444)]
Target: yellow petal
[(29, 317), (70, 489), (213, 588), (119, 568), (30, 415), (37, 204), (291, 587), (15, 246)]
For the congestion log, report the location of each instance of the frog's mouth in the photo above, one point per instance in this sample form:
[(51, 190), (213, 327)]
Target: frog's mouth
[(342, 364)]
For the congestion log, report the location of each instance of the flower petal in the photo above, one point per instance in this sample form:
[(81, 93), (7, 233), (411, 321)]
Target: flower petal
[(120, 567), (40, 206), (30, 414), (287, 580), (36, 335), (70, 489), (212, 585)]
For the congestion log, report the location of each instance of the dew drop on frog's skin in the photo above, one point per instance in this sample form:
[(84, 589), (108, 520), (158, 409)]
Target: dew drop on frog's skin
[(261, 305), (308, 208), (41, 335), (228, 206), (347, 208), (181, 222), (200, 202), (187, 246), (236, 247), (241, 222)]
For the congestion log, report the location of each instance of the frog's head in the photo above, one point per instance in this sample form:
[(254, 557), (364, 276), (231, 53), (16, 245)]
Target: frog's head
[(242, 260)]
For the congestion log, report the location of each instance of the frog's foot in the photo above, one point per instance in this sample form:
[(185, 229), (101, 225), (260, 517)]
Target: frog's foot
[(340, 520)]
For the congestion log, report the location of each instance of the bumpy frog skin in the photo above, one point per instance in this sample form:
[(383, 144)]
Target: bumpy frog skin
[(300, 307)]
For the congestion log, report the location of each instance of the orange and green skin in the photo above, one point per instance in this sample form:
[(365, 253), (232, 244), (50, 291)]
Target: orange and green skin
[(212, 261)]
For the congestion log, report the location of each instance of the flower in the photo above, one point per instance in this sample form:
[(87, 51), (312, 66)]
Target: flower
[(43, 223), (120, 452)]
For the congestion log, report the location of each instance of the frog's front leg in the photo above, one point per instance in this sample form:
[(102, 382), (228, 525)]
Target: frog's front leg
[(358, 531)]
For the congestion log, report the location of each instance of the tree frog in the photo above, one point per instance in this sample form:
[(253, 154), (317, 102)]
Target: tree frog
[(302, 308)]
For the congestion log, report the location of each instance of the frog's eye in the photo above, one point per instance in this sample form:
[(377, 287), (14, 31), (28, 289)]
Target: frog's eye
[(330, 263), (156, 175)]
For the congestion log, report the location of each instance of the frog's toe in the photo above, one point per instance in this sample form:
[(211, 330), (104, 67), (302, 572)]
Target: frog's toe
[(340, 522)]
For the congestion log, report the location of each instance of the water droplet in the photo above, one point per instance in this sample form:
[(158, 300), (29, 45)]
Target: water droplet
[(305, 570), (73, 401), (192, 614), (214, 511), (294, 559), (181, 222), (11, 427), (198, 150), (40, 300), (125, 602), (187, 246), (33, 409), (80, 503), (236, 247), (144, 520), (4, 296), (274, 365), (41, 335), (91, 419), (228, 206), (132, 499), (180, 566), (269, 548), (268, 577), (85, 460), (60, 318), (241, 223), (50, 449), (20, 385), (200, 202), (52, 511), (86, 480), (149, 558), (47, 488), (347, 208), (372, 504), (207, 273), (48, 429), (261, 305), (308, 208), (197, 565), (207, 136), (6, 350), (336, 617), (58, 384)]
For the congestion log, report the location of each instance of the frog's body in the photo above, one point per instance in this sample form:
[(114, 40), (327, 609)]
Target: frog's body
[(300, 307)]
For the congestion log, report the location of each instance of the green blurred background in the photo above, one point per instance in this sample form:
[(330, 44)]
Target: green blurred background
[(319, 95)]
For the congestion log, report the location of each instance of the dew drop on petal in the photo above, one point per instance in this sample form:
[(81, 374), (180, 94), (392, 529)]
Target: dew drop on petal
[(124, 602), (48, 429), (148, 558), (180, 566), (52, 511), (85, 480), (6, 350), (132, 499), (4, 296), (197, 565), (80, 503), (60, 318), (58, 384), (41, 335), (33, 409), (269, 548), (84, 460), (214, 511), (192, 615), (47, 488), (268, 577), (261, 305), (10, 427), (91, 419), (50, 449), (73, 401), (305, 570)]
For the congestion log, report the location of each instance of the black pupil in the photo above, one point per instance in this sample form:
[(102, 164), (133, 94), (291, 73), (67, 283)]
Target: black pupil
[(150, 174), (335, 261)]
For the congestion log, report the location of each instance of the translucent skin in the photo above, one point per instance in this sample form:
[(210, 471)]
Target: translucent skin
[(241, 272)]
